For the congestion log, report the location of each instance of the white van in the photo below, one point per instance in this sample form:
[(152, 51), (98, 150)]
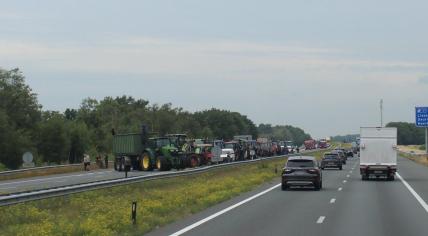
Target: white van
[(378, 152)]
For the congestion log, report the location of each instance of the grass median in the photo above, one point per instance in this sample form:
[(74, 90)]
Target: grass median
[(159, 202)]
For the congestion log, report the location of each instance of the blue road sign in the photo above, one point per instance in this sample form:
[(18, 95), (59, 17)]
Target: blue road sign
[(422, 116)]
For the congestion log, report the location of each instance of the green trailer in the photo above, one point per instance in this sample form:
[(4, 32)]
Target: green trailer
[(133, 151)]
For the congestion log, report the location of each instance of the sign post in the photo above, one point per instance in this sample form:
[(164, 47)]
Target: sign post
[(422, 121)]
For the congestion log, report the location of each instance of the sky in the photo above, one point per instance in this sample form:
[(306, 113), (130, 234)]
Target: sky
[(322, 65)]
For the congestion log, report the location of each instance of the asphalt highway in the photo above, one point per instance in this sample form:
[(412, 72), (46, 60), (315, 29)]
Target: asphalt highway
[(60, 180), (345, 206)]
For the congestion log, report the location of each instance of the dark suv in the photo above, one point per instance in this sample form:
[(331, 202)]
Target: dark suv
[(331, 160), (301, 171), (342, 155)]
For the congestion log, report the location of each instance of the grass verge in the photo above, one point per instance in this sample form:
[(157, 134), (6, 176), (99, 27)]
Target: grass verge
[(420, 159), (159, 202)]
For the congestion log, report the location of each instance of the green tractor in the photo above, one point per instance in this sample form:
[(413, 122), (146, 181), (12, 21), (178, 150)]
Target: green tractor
[(133, 150), (168, 155)]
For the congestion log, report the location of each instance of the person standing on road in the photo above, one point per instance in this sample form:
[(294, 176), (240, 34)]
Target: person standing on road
[(297, 149), (106, 161), (86, 161)]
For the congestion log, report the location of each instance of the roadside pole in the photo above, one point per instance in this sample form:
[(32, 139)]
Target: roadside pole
[(426, 141)]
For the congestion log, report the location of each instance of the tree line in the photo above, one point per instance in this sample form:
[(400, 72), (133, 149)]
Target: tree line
[(408, 133), (283, 132), (63, 137)]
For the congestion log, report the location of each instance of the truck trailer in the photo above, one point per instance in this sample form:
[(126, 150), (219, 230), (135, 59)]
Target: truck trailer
[(310, 144), (378, 152)]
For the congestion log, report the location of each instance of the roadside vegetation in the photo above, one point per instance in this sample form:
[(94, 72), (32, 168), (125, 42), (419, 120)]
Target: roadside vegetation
[(56, 137), (159, 202), (418, 158)]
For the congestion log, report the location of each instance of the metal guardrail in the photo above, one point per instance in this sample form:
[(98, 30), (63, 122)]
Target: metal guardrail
[(15, 198)]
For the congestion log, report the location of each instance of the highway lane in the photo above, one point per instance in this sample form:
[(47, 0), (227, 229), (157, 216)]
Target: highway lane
[(59, 180), (345, 206)]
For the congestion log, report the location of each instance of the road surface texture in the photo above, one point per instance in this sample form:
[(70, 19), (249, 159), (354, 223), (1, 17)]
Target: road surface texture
[(345, 206), (58, 180)]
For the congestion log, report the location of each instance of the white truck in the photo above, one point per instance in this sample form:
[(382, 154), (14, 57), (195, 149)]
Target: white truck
[(378, 152)]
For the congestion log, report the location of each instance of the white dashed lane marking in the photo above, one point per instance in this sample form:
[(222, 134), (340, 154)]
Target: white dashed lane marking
[(321, 220)]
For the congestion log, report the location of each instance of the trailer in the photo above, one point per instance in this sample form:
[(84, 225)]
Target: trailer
[(378, 152), (133, 151), (310, 144)]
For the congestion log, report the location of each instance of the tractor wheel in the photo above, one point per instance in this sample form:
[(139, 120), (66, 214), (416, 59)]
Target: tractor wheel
[(162, 164), (194, 161), (146, 162)]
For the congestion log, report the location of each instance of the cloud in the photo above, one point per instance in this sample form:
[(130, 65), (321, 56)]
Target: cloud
[(160, 56), (423, 79)]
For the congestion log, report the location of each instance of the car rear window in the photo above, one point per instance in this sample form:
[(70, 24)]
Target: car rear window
[(300, 163)]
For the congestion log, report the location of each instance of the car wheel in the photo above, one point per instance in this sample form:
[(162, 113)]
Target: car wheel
[(284, 187), (317, 185), (340, 167), (391, 178)]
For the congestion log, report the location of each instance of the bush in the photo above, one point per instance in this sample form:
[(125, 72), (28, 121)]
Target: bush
[(2, 167)]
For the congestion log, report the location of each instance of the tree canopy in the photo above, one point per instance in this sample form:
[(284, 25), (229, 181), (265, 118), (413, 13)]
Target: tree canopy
[(408, 133)]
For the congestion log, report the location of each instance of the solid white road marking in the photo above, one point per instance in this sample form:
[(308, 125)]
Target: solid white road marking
[(333, 200), (345, 181), (339, 189), (347, 176), (194, 225), (321, 220), (413, 192), (350, 171)]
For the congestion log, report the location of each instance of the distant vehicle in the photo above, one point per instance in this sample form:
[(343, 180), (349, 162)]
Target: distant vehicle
[(236, 150), (331, 160), (301, 171), (355, 147), (310, 144), (322, 144), (227, 155), (290, 146), (378, 152), (264, 147), (249, 147), (342, 155)]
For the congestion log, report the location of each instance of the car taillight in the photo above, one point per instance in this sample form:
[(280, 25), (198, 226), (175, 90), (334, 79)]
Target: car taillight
[(287, 171), (313, 171)]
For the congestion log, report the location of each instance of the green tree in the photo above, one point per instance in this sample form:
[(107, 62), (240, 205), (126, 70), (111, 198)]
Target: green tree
[(53, 141), (79, 141), (408, 133), (19, 116)]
